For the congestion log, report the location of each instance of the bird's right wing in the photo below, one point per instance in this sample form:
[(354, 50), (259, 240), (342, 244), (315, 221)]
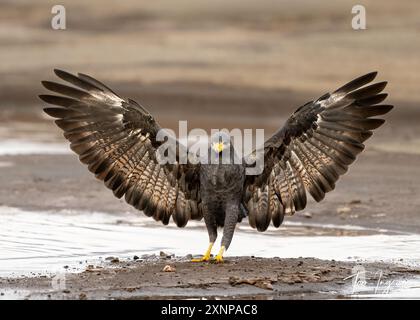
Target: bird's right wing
[(315, 146), (116, 138)]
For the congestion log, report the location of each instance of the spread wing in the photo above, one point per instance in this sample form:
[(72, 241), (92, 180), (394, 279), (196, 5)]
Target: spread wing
[(116, 139), (313, 149)]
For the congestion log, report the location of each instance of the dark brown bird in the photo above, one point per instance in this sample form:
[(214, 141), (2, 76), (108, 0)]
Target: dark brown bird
[(116, 139)]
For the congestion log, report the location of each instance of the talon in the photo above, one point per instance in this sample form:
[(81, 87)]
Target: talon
[(219, 257), (202, 259), (206, 256)]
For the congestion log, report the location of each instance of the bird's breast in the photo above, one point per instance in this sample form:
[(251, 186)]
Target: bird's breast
[(223, 178)]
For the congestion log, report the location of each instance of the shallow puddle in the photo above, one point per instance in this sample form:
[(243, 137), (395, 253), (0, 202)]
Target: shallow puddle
[(33, 243)]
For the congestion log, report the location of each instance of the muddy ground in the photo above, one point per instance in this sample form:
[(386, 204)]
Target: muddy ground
[(240, 66), (166, 277)]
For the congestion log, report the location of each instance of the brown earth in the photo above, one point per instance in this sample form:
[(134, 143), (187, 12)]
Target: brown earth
[(237, 278)]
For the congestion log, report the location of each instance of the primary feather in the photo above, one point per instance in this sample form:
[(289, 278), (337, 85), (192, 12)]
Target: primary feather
[(316, 145), (116, 139)]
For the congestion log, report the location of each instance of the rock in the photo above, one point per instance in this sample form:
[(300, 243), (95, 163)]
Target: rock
[(109, 258), (263, 283), (299, 277), (113, 259), (169, 268), (136, 258), (164, 255), (91, 268), (307, 215), (82, 296)]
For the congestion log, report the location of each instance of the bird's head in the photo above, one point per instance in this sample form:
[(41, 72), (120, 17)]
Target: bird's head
[(220, 141)]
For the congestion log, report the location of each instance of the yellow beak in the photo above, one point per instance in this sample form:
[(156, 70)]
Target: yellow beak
[(218, 146)]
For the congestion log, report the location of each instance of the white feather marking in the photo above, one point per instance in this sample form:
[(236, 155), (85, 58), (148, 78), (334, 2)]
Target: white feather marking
[(318, 118), (108, 98), (332, 99)]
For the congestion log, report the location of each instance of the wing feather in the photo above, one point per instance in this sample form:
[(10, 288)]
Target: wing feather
[(313, 149), (116, 139)]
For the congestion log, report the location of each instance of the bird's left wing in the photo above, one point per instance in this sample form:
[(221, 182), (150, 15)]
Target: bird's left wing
[(316, 145), (116, 138)]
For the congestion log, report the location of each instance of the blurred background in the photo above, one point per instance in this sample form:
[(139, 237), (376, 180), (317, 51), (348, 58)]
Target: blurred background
[(233, 64), (239, 63)]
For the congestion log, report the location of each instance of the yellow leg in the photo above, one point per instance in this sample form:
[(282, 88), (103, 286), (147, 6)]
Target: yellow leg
[(206, 256), (219, 257)]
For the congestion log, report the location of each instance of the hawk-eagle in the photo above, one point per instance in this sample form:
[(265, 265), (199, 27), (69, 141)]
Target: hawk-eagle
[(116, 138)]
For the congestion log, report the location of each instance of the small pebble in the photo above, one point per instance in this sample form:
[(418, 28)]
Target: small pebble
[(341, 210), (307, 215), (168, 268)]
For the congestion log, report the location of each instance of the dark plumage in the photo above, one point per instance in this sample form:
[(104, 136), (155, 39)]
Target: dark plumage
[(116, 139)]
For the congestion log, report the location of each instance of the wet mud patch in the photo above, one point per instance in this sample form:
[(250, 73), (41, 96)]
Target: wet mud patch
[(239, 277)]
